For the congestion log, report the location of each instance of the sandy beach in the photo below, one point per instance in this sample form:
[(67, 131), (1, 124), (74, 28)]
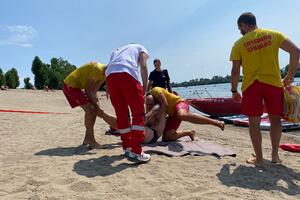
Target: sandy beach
[(41, 158)]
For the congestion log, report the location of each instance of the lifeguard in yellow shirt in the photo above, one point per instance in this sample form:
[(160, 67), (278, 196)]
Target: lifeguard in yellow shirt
[(257, 53), (80, 88), (177, 110)]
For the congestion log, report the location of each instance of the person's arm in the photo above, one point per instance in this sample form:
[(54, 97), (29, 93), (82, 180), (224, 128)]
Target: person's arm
[(91, 90), (160, 97), (169, 86), (144, 71), (168, 81), (151, 115), (235, 77), (149, 85), (294, 52)]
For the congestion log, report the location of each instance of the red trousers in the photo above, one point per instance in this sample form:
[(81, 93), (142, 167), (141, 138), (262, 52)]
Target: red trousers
[(125, 91)]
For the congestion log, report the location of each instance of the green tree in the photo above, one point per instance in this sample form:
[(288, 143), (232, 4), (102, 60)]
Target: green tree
[(2, 78), (12, 78), (27, 84), (51, 74), (55, 79), (57, 71), (286, 68), (62, 66), (39, 69)]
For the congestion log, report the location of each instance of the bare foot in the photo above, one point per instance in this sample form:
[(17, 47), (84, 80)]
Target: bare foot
[(220, 124), (192, 135), (92, 145), (95, 146), (252, 161), (276, 159)]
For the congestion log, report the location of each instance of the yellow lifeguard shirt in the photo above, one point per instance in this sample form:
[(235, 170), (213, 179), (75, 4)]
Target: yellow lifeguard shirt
[(171, 98), (78, 78), (258, 53)]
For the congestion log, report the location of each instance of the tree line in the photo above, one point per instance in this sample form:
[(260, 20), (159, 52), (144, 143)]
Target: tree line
[(53, 74), (220, 79), (10, 78), (50, 75)]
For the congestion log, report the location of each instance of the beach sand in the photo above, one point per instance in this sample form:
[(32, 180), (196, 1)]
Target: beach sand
[(40, 158)]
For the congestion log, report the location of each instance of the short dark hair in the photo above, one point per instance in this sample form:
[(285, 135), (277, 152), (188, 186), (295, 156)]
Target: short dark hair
[(247, 18), (156, 60)]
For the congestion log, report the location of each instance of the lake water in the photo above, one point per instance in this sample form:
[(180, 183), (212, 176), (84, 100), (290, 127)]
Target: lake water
[(213, 90)]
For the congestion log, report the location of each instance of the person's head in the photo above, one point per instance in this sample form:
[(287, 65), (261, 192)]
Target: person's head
[(246, 22), (157, 63), (150, 102)]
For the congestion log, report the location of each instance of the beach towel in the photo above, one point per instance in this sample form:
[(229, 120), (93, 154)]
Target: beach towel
[(184, 146)]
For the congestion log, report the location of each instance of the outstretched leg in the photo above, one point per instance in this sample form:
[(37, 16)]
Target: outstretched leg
[(195, 118), (109, 119), (173, 135)]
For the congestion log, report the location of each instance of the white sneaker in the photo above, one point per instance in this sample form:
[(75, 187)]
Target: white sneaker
[(138, 158)]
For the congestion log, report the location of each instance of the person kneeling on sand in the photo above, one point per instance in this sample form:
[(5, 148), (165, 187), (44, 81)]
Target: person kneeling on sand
[(177, 110), (80, 88)]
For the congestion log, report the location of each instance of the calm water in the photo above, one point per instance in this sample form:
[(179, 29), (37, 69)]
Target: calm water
[(214, 90)]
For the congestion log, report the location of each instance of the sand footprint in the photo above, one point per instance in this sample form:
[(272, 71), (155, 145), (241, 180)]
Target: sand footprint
[(83, 186), (65, 181)]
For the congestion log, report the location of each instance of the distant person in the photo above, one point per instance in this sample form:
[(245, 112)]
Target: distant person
[(126, 91), (177, 110), (80, 88), (257, 52), (46, 88), (159, 77), (4, 87)]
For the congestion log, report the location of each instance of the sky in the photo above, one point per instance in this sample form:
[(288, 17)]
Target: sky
[(193, 38)]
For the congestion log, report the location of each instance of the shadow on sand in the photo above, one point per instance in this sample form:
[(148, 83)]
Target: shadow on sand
[(71, 151), (101, 166), (272, 177)]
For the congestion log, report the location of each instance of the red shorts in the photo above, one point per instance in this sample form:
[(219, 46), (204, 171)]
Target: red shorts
[(173, 122), (258, 95), (76, 97)]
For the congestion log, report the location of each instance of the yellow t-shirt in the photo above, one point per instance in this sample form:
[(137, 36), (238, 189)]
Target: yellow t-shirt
[(258, 51), (78, 78), (171, 98)]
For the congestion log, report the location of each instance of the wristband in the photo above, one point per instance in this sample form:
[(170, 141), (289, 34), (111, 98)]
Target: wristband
[(233, 91)]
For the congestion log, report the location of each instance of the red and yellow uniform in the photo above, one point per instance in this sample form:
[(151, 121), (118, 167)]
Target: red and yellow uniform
[(175, 103), (77, 80), (170, 97), (258, 52)]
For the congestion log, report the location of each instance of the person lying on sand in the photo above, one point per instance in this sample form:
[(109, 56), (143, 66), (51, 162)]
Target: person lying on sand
[(154, 125), (177, 110)]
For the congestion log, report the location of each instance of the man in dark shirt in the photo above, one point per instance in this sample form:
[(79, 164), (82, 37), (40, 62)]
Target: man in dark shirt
[(159, 77)]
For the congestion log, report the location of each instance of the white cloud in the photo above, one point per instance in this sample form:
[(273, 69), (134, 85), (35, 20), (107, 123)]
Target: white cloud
[(19, 35)]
